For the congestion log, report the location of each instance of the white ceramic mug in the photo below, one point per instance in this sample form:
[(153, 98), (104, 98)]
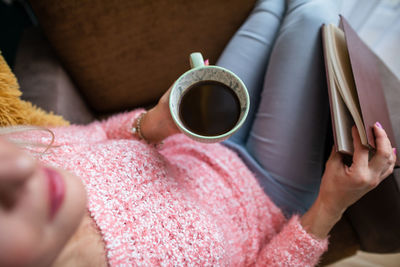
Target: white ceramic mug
[(199, 73)]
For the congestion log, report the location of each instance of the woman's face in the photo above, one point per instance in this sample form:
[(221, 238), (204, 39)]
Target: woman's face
[(40, 208)]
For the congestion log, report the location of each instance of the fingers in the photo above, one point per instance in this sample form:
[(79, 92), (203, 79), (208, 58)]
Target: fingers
[(384, 157), (386, 173), (360, 157)]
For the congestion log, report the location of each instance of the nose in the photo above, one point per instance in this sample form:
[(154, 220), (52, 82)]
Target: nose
[(16, 167)]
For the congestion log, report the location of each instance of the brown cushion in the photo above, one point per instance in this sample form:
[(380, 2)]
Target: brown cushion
[(127, 53), (376, 218)]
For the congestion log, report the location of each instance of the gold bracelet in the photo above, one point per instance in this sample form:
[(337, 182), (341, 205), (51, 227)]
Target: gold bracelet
[(137, 127)]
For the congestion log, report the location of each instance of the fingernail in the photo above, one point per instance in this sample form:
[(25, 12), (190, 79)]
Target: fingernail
[(378, 124), (206, 62), (395, 151)]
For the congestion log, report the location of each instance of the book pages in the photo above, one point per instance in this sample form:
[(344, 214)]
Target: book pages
[(341, 117), (344, 78)]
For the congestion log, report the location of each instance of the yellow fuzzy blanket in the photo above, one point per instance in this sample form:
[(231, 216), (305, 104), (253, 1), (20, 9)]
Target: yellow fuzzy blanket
[(14, 111)]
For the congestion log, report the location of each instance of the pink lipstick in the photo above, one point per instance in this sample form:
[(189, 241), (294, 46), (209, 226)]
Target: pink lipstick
[(56, 190)]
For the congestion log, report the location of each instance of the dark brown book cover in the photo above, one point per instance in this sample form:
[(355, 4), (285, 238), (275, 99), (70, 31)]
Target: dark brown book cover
[(375, 85)]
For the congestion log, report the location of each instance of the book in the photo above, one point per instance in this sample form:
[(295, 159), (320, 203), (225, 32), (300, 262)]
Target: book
[(360, 88)]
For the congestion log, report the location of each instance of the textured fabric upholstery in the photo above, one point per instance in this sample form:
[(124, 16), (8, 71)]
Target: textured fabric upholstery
[(125, 54)]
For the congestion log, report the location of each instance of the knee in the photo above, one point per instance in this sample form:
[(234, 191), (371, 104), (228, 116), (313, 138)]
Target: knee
[(274, 7)]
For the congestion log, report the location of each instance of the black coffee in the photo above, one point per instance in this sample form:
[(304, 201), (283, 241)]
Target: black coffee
[(209, 108)]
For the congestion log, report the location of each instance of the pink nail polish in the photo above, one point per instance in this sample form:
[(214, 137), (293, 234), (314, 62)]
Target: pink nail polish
[(379, 125), (206, 62)]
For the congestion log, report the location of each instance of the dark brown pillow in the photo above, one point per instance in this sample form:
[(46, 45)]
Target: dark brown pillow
[(124, 54)]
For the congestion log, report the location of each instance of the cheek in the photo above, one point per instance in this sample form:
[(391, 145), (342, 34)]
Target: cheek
[(73, 207), (37, 242), (19, 244), (64, 225)]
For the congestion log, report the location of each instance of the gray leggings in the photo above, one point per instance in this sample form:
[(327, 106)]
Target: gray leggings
[(277, 53)]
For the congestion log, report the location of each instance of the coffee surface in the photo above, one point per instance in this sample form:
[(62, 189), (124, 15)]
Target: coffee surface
[(209, 108)]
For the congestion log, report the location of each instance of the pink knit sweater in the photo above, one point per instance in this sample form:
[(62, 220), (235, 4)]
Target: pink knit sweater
[(181, 203)]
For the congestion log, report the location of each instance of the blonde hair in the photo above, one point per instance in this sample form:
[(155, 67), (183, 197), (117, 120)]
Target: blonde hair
[(8, 131)]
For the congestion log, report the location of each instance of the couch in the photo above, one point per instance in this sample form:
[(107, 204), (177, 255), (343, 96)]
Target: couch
[(92, 58)]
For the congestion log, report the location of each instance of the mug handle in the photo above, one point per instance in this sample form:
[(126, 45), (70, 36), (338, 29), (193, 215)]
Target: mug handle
[(196, 60)]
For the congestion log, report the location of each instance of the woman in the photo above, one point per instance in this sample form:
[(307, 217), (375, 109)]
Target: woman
[(186, 203)]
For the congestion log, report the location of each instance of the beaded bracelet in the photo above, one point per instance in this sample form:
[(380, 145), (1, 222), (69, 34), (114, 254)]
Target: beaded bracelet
[(136, 129)]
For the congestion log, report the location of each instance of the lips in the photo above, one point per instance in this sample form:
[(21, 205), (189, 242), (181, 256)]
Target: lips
[(56, 190)]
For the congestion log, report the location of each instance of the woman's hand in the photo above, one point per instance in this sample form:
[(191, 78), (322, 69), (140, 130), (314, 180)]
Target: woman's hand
[(342, 185), (158, 124)]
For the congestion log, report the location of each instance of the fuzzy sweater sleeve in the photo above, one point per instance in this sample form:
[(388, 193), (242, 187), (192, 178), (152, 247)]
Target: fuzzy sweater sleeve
[(293, 246), (119, 126)]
